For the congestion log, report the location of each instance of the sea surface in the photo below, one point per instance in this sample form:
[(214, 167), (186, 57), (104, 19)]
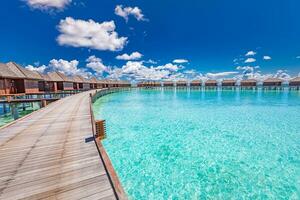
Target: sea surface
[(167, 144)]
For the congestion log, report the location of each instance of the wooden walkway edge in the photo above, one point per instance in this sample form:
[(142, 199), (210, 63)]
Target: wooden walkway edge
[(46, 155)]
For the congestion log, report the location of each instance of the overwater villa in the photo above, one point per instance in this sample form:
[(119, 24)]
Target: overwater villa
[(196, 83), (272, 83), (168, 84), (211, 84), (228, 83), (181, 83), (16, 80), (295, 83), (249, 83), (47, 85)]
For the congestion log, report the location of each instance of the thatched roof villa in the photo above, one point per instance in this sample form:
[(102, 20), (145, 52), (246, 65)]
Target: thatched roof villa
[(295, 82), (181, 83), (272, 82), (168, 84), (228, 83), (249, 83), (14, 79), (196, 83), (211, 83)]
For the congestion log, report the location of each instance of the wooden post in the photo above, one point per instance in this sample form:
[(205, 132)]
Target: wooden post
[(43, 103), (14, 111), (100, 129)]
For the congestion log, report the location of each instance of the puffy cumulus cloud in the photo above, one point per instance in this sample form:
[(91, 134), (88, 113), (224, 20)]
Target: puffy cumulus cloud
[(219, 75), (170, 66), (133, 56), (267, 58), (180, 61), (48, 4), (68, 68), (90, 34), (250, 60), (282, 74), (136, 70), (40, 69), (96, 64), (250, 53), (125, 12)]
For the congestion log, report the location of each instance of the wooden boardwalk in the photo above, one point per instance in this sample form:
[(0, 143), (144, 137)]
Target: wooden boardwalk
[(45, 156)]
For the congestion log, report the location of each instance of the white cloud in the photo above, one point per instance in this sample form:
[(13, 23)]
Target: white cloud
[(282, 74), (125, 12), (170, 67), (69, 68), (219, 75), (250, 60), (298, 57), (48, 4), (179, 61), (267, 58), (150, 61), (250, 53), (96, 64), (133, 56), (90, 34), (40, 69)]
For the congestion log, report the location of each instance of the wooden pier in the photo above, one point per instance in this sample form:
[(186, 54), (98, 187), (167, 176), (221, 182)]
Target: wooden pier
[(49, 154)]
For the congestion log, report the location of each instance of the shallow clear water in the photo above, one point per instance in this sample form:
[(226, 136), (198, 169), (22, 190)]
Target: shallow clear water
[(204, 145), (7, 117)]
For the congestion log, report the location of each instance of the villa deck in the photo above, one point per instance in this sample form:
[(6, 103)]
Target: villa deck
[(46, 156)]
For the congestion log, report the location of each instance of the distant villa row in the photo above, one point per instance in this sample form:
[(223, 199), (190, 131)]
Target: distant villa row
[(249, 83), (15, 79)]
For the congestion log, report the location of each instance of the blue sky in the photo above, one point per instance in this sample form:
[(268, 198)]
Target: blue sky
[(209, 38)]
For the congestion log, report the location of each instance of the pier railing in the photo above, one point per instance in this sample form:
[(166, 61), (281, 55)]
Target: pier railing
[(112, 175)]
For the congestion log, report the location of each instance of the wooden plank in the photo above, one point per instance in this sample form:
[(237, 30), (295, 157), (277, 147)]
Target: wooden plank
[(45, 155)]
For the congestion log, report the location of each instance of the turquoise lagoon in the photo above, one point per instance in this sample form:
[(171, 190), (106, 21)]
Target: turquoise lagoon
[(204, 144)]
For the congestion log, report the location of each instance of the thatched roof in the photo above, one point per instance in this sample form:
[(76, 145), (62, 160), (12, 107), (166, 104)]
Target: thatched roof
[(45, 77), (181, 82), (10, 71), (93, 80), (54, 76), (249, 81), (29, 74), (211, 81), (296, 79), (65, 78), (78, 79), (228, 81), (196, 81), (273, 80), (13, 70)]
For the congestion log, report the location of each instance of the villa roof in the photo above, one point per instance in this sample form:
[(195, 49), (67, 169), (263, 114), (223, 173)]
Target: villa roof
[(93, 80), (211, 81), (196, 81), (64, 77), (45, 77), (229, 81), (296, 79), (13, 70), (273, 80), (78, 79), (55, 77), (182, 81), (249, 81), (10, 71)]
